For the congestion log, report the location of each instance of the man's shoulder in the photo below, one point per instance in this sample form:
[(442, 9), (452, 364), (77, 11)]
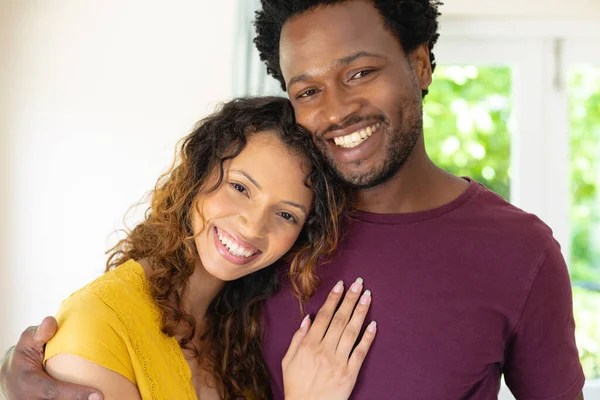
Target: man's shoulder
[(488, 209), (513, 243)]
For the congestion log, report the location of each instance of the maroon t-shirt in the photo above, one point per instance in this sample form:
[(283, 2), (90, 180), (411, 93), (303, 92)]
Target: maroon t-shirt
[(461, 294)]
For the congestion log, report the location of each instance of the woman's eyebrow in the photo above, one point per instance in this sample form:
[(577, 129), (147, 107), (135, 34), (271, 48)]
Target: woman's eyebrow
[(299, 206), (251, 179)]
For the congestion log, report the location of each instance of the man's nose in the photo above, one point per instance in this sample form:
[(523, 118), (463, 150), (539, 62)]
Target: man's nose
[(338, 105)]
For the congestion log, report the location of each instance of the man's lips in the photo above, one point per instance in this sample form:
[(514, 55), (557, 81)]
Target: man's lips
[(348, 130)]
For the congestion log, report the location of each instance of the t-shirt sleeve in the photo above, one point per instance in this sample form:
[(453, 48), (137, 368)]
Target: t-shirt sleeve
[(542, 361), (89, 328)]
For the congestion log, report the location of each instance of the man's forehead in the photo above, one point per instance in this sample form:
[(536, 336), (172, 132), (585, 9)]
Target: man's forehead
[(340, 24), (323, 37)]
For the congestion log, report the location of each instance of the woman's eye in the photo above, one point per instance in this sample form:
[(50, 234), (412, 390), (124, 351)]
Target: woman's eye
[(288, 217), (238, 187), (362, 74)]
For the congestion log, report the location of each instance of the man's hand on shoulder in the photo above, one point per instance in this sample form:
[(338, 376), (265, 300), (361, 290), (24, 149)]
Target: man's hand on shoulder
[(22, 375)]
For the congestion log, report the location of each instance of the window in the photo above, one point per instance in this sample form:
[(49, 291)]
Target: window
[(549, 80), (584, 136), (466, 121)]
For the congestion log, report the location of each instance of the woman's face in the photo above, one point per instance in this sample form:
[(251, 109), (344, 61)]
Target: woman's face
[(254, 217)]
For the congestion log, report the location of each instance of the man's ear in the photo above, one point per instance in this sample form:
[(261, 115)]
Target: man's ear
[(421, 62)]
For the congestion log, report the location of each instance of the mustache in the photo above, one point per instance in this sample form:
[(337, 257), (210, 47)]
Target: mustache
[(352, 120)]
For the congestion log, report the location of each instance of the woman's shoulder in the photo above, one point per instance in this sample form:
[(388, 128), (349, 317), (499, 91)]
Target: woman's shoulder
[(97, 322), (124, 283), (129, 275), (121, 295)]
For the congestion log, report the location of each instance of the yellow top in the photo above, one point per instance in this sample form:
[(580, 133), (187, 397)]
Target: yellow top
[(115, 323)]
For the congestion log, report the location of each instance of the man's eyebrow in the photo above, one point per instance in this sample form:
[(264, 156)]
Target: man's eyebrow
[(299, 78), (342, 61), (356, 56), (291, 203), (251, 179)]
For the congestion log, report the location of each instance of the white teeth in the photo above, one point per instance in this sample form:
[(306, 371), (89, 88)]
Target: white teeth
[(233, 247), (356, 138)]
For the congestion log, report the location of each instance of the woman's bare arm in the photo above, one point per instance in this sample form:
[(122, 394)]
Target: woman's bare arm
[(22, 375), (78, 370)]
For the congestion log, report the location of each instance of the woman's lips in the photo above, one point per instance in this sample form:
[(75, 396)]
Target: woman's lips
[(226, 253)]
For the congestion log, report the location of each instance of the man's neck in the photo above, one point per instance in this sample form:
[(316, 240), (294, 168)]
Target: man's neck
[(419, 185)]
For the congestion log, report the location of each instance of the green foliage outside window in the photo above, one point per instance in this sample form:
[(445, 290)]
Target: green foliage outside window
[(467, 116), (584, 112), (584, 96)]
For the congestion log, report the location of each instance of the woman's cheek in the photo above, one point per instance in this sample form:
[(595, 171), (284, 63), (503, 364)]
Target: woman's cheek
[(287, 241)]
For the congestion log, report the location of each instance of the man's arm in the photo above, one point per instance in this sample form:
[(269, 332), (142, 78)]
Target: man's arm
[(542, 360), (22, 374)]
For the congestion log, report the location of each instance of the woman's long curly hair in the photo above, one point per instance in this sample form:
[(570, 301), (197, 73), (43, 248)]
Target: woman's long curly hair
[(231, 342)]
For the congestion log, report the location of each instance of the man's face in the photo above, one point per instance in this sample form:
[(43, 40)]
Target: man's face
[(354, 88)]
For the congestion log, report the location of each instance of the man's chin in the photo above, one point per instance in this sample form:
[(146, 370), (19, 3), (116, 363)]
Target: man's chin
[(359, 179), (368, 177)]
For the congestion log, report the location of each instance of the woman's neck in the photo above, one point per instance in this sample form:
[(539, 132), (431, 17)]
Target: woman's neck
[(201, 290)]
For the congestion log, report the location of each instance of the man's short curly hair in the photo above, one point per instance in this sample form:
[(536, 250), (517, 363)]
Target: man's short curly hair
[(413, 22)]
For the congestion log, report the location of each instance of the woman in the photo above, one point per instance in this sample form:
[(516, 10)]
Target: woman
[(177, 314)]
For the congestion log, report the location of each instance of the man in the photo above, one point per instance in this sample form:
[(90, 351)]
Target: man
[(466, 287)]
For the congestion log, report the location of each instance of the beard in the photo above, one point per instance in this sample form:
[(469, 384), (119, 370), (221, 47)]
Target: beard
[(400, 145)]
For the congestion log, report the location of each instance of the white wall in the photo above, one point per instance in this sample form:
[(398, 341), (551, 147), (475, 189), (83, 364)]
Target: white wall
[(587, 9), (5, 213), (98, 94)]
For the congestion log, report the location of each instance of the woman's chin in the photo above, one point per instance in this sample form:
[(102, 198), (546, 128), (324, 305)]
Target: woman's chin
[(225, 271)]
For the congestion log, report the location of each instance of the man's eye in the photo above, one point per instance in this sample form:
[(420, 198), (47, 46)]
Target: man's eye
[(307, 93), (288, 217), (362, 74)]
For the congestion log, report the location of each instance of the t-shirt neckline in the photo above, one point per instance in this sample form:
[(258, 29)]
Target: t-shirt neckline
[(419, 216)]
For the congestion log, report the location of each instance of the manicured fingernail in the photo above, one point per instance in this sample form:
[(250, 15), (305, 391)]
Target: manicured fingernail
[(357, 285), (338, 287), (304, 321), (364, 299), (372, 327), (94, 396)]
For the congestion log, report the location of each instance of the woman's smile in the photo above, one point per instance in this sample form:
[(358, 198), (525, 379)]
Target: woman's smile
[(234, 251)]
